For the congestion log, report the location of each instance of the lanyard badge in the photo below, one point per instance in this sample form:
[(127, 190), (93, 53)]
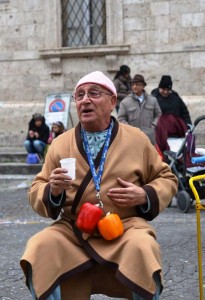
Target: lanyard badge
[(97, 176)]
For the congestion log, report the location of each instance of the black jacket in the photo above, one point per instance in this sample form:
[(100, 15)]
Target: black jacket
[(43, 130), (172, 104)]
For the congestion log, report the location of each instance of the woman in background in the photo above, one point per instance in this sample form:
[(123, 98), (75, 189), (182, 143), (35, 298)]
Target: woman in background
[(122, 84), (38, 134)]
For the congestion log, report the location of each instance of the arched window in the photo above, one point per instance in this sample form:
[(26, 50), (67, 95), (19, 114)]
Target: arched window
[(83, 22)]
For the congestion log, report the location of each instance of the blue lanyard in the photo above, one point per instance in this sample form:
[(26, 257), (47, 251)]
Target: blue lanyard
[(97, 175)]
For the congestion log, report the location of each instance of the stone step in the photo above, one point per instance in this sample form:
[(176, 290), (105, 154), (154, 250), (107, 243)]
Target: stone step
[(13, 157), (15, 181), (12, 149), (19, 168), (13, 166)]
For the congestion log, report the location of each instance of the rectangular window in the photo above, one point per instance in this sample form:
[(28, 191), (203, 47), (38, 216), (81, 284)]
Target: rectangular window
[(83, 22)]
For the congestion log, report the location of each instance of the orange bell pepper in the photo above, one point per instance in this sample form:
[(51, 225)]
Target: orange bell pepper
[(110, 226)]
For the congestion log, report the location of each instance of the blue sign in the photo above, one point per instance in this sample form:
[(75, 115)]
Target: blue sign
[(57, 105)]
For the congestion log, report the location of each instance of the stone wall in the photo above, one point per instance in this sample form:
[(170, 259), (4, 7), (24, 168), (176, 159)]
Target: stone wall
[(152, 37), (167, 37)]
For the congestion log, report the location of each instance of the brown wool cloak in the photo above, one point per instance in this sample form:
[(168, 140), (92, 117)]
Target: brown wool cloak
[(60, 251)]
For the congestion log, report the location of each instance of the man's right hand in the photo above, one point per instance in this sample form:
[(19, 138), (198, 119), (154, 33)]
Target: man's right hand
[(59, 181)]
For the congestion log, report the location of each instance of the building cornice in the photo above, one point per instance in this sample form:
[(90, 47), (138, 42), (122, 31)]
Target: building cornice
[(85, 51)]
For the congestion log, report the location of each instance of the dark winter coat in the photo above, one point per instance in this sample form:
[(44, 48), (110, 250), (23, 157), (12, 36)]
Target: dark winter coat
[(43, 130), (172, 104)]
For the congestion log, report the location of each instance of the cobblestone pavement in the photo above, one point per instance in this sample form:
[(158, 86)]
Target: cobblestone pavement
[(176, 235)]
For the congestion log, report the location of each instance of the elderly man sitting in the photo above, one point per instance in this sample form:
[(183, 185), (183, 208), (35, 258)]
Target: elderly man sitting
[(86, 250)]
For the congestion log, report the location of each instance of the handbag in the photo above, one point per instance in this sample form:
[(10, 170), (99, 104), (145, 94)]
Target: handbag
[(32, 158)]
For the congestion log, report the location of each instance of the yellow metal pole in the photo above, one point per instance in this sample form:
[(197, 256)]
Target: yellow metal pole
[(198, 217)]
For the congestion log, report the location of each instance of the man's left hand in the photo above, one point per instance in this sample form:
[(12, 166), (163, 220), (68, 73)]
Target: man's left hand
[(128, 195)]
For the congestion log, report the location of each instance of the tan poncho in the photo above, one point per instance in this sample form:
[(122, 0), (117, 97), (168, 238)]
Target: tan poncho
[(60, 251)]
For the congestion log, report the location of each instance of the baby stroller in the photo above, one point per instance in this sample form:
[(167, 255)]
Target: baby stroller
[(180, 160)]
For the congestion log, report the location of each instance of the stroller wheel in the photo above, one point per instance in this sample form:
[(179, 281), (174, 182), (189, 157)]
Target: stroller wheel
[(183, 201)]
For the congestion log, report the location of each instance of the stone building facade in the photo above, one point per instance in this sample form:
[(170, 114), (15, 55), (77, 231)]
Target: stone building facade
[(152, 37)]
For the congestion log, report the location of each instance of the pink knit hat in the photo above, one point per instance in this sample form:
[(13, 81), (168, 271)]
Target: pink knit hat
[(98, 78)]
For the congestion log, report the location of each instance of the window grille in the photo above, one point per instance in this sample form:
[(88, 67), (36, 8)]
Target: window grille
[(83, 22)]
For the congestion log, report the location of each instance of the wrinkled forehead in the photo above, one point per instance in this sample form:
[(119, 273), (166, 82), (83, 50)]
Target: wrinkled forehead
[(90, 86)]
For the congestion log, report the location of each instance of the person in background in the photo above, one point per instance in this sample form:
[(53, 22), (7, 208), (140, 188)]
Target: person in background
[(122, 83), (38, 134), (169, 100), (117, 167), (56, 129), (139, 109)]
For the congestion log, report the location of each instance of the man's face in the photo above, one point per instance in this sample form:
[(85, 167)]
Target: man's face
[(138, 88), (94, 105), (164, 92)]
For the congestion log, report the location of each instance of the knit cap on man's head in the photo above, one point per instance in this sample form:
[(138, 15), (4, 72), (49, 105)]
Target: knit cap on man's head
[(97, 77), (166, 82)]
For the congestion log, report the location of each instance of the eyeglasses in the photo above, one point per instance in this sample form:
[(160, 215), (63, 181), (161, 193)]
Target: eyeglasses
[(92, 95)]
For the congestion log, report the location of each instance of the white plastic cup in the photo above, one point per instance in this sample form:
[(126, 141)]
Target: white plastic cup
[(70, 165)]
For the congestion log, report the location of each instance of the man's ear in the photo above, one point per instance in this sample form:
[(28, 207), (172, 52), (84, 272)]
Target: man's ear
[(113, 102)]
